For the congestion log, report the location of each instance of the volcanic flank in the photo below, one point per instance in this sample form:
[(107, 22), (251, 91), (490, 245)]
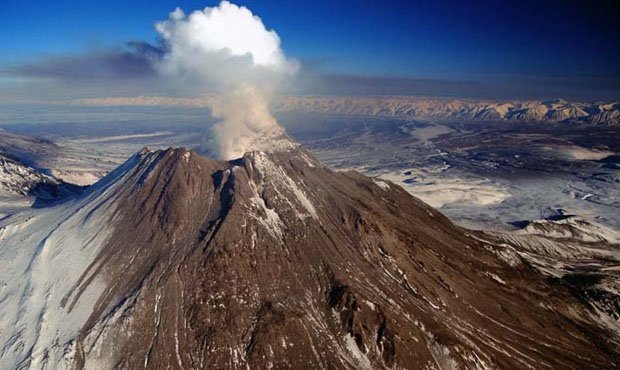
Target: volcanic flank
[(272, 260)]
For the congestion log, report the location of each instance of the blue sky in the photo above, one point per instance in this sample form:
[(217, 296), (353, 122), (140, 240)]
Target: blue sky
[(470, 48)]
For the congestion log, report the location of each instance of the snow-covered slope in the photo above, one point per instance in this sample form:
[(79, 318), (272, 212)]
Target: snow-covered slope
[(66, 162), (572, 228), (45, 286), (16, 179), (31, 151), (22, 186)]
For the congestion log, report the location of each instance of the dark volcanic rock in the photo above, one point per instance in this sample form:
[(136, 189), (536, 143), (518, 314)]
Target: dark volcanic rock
[(273, 260)]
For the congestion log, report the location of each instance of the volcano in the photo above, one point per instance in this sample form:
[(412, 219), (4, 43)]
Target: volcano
[(272, 260)]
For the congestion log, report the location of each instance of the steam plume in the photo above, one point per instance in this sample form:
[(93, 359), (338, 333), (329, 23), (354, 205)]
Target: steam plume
[(227, 50)]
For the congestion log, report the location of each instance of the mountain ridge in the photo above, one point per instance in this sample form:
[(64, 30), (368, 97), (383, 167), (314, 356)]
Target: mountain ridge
[(546, 111), (274, 260)]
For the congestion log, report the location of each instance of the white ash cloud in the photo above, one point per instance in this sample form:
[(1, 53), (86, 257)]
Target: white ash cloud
[(227, 50)]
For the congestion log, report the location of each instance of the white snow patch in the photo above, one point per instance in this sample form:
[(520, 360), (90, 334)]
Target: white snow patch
[(584, 154), (496, 278), (441, 355), (382, 184), (358, 356), (105, 139), (445, 190), (271, 219), (370, 304), (277, 177)]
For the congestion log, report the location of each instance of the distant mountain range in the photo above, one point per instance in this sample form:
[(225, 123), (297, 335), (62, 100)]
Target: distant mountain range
[(557, 110), (552, 111)]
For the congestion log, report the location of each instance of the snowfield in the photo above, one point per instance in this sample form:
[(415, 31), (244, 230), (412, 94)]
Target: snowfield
[(46, 256)]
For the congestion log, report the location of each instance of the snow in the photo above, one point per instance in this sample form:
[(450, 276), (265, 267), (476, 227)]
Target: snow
[(44, 253), (370, 304), (607, 321), (409, 107), (587, 196), (278, 178), (424, 134), (440, 192), (382, 184), (268, 140), (77, 176), (358, 356), (584, 154), (496, 278), (508, 255), (309, 161), (572, 227), (441, 355), (18, 179), (270, 219), (105, 139)]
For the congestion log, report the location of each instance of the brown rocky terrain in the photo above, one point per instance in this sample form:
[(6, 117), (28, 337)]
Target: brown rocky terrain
[(275, 261)]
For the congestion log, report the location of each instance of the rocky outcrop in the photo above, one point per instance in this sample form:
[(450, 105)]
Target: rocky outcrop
[(17, 179)]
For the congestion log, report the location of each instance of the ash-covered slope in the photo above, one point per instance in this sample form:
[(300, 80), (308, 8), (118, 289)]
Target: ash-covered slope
[(272, 260)]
